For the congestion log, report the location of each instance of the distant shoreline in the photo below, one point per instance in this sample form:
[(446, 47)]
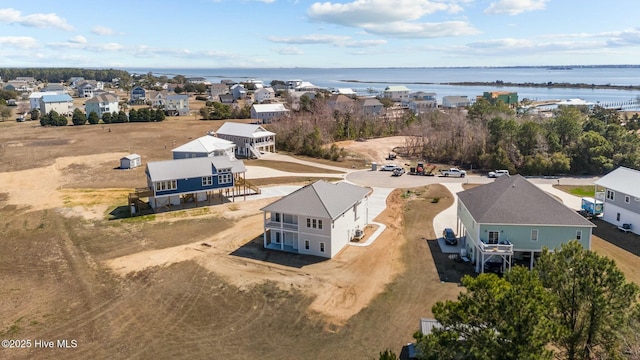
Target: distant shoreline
[(549, 84)]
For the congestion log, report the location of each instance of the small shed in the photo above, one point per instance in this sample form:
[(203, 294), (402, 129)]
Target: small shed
[(130, 161)]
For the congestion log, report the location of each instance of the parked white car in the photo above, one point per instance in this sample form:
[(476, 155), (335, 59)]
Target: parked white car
[(389, 167), (498, 173)]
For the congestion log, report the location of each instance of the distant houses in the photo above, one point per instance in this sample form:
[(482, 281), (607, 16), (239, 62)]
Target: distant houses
[(265, 113), (60, 103)]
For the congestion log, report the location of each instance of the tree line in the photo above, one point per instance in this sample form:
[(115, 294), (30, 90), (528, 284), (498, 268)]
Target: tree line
[(79, 117), (486, 135), (57, 75)]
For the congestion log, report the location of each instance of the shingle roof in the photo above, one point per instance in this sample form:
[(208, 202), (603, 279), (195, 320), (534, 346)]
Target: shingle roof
[(104, 97), (205, 144), (191, 168), (320, 199), (514, 200), (243, 130), (622, 179), (56, 98)]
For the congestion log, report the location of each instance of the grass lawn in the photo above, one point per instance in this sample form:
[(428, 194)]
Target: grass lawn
[(577, 190)]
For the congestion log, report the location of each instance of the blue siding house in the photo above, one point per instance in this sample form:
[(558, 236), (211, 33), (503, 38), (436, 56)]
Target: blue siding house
[(138, 95), (177, 182)]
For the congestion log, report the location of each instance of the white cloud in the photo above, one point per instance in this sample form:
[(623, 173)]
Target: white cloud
[(335, 40), (78, 40), (23, 42), (393, 18), (515, 7), (266, 1), (102, 30), (38, 20), (291, 50), (361, 12), (422, 30)]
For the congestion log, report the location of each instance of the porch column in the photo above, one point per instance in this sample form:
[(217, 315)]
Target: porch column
[(264, 229), (531, 261)]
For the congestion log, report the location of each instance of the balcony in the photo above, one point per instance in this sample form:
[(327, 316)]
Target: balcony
[(503, 247), (281, 225)]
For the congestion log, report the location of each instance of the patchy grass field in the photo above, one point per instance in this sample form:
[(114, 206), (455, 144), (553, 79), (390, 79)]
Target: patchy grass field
[(196, 283), (291, 167)]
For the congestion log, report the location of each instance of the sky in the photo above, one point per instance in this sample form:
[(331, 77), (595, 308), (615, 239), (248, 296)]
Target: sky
[(327, 34)]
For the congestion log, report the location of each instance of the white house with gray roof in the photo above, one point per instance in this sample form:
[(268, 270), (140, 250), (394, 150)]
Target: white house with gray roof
[(102, 103), (266, 112), (319, 219), (205, 146), (176, 182), (250, 139), (621, 197), (512, 218)]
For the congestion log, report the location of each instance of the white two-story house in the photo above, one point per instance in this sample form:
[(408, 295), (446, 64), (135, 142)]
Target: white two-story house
[(622, 198), (319, 219), (101, 104)]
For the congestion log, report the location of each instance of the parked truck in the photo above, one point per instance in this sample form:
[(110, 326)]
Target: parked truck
[(453, 172), (591, 207)]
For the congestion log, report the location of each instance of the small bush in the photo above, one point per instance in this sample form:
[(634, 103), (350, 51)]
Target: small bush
[(435, 200)]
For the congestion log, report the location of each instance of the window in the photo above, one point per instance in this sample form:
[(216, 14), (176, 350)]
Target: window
[(207, 181), (355, 212), (314, 223), (494, 237), (225, 179), (320, 224), (578, 234), (308, 222), (618, 217), (611, 195), (166, 185), (321, 247), (306, 244), (534, 234), (627, 199), (277, 217), (277, 237)]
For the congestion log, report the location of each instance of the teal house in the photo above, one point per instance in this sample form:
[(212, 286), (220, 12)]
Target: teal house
[(511, 220)]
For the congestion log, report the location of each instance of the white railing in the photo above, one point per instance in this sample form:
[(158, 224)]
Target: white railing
[(502, 247), (281, 225)]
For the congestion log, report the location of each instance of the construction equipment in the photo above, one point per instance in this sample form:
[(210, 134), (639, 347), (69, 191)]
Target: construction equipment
[(422, 169)]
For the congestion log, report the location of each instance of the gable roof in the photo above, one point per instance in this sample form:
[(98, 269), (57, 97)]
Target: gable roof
[(243, 130), (56, 98), (622, 179), (191, 168), (514, 200), (370, 102), (104, 98), (320, 199), (205, 144)]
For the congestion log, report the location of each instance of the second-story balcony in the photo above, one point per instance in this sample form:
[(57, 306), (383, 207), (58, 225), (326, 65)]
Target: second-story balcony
[(502, 247), (281, 225)]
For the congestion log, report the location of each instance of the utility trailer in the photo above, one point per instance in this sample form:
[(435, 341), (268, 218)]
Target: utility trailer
[(591, 207)]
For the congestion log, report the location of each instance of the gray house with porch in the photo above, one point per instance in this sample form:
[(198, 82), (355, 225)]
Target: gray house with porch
[(621, 198), (512, 218)]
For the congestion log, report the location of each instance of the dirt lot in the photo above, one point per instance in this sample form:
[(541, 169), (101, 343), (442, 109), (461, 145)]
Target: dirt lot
[(197, 283)]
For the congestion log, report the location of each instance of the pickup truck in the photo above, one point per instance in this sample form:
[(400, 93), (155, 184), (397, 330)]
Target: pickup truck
[(454, 172)]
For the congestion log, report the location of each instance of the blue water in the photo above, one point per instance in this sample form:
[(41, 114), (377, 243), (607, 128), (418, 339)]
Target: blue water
[(379, 78)]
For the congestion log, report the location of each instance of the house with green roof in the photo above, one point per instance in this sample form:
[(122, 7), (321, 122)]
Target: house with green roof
[(318, 219), (512, 218)]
